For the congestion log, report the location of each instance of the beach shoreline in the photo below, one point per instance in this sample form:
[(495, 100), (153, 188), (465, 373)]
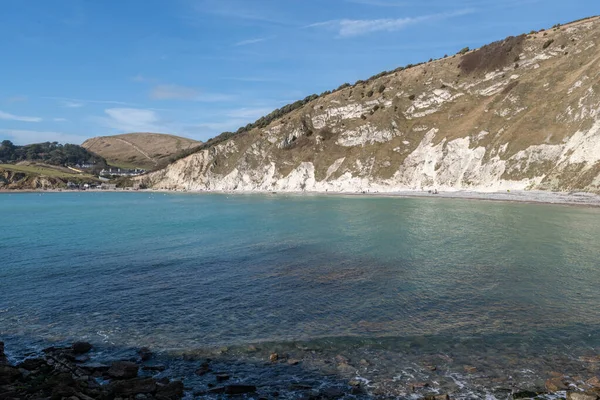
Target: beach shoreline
[(584, 199)]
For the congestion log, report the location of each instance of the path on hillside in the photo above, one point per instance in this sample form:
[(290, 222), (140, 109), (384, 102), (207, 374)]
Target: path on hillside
[(139, 150)]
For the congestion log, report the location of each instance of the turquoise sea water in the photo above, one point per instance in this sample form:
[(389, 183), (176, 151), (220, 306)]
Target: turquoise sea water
[(178, 272)]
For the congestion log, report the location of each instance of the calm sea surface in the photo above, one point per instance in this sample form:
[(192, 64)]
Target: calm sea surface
[(420, 276)]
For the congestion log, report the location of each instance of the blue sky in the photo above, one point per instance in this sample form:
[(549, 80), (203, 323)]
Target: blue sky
[(73, 69)]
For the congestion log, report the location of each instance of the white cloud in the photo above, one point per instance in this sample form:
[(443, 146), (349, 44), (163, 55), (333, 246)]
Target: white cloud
[(71, 104), (173, 92), (249, 113), (132, 120), (250, 41), (358, 27), (22, 137), (76, 103), (12, 117)]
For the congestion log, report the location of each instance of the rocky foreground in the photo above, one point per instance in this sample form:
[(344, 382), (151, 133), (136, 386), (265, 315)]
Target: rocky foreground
[(63, 373), (68, 373)]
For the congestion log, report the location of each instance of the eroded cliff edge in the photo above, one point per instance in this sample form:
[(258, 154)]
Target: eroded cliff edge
[(521, 113)]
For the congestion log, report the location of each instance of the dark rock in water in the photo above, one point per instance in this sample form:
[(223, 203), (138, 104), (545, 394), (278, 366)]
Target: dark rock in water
[(233, 389), (581, 396), (133, 386), (145, 354), (8, 374), (274, 357), (171, 391), (31, 364), (222, 377), (81, 347), (123, 370), (240, 389), (204, 369), (526, 394), (95, 367), (154, 368), (332, 393)]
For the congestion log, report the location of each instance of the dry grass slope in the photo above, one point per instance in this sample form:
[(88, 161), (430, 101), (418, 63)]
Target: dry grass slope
[(139, 150)]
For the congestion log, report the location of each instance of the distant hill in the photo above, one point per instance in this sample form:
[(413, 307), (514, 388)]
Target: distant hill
[(139, 150)]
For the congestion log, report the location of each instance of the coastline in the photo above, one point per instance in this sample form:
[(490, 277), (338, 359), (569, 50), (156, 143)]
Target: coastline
[(584, 199)]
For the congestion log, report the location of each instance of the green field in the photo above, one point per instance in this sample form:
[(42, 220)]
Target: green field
[(45, 171)]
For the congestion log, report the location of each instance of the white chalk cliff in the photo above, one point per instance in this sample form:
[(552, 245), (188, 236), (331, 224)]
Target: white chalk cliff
[(522, 113)]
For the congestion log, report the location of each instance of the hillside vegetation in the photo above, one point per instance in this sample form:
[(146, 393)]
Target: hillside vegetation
[(51, 153), (139, 150), (520, 113)]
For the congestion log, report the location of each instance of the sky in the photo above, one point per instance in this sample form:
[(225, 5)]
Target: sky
[(75, 69)]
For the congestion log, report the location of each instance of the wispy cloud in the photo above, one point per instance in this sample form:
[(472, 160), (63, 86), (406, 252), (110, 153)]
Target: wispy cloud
[(22, 137), (71, 104), (12, 117), (380, 3), (251, 41), (16, 99), (249, 113), (173, 92), (132, 120), (176, 92), (358, 27), (59, 119), (76, 103)]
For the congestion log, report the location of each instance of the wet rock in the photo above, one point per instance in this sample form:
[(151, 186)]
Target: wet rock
[(581, 396), (204, 369), (3, 359), (299, 386), (340, 359), (171, 391), (418, 386), (31, 364), (594, 382), (132, 387), (436, 397), (154, 368), (332, 393), (8, 374), (95, 367), (293, 361), (556, 384), (470, 369), (81, 347), (240, 389), (431, 367), (526, 394), (145, 354), (252, 349), (123, 370), (274, 357), (222, 377)]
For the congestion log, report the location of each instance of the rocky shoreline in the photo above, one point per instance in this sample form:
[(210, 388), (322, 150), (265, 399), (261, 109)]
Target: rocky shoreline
[(70, 373), (65, 373)]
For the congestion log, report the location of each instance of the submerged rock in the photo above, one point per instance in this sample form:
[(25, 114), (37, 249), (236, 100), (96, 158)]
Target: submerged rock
[(81, 347), (133, 386), (123, 370), (145, 354)]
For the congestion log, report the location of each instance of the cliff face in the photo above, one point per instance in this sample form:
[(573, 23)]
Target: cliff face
[(522, 113)]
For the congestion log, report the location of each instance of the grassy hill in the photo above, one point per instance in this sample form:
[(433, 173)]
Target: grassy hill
[(139, 150)]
